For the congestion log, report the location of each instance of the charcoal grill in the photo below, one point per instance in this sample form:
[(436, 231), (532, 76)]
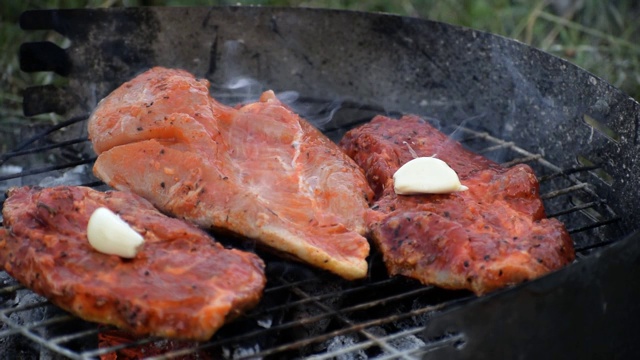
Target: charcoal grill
[(501, 98)]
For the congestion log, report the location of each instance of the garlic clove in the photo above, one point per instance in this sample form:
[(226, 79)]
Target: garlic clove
[(109, 234), (426, 175)]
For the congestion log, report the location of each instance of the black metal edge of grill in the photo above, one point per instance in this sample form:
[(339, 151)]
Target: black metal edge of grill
[(497, 96)]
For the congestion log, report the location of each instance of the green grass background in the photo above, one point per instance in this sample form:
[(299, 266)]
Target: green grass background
[(599, 36)]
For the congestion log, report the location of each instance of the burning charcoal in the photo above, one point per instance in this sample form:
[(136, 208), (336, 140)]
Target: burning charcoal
[(240, 352), (18, 346), (6, 170), (31, 315), (341, 343), (319, 293), (76, 176), (265, 322), (406, 343), (401, 344)]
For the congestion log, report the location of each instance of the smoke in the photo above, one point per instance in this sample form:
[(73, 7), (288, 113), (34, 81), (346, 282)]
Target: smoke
[(317, 112), (243, 90)]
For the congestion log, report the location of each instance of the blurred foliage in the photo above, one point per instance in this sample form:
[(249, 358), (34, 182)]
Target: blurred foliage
[(600, 36)]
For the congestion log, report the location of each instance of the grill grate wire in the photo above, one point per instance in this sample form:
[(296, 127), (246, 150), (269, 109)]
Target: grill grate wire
[(380, 317)]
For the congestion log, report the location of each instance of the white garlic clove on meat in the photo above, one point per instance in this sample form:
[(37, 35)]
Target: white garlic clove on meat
[(109, 234), (426, 175)]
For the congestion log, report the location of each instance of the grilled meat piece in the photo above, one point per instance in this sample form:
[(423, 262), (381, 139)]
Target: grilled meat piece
[(181, 284), (490, 236), (258, 170)]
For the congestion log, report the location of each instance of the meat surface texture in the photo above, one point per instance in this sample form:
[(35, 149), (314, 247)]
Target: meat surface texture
[(181, 284), (493, 235), (257, 170)]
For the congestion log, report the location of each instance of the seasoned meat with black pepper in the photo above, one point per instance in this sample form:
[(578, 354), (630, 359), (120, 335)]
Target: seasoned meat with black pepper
[(493, 235), (258, 170), (181, 283)]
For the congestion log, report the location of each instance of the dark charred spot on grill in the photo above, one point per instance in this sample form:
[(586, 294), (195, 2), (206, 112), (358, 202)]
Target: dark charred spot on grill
[(139, 128), (165, 97), (149, 104), (146, 273), (446, 214), (225, 178), (540, 260), (162, 152), (162, 185), (487, 257), (500, 272), (466, 263)]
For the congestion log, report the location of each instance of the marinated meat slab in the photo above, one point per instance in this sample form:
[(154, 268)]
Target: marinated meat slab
[(490, 236), (257, 170), (181, 283)]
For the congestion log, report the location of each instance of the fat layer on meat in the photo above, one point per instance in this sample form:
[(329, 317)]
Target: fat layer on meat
[(181, 283), (492, 235)]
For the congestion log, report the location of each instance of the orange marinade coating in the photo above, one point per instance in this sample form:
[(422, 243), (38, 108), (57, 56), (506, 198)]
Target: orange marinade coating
[(257, 170), (493, 235), (181, 284)]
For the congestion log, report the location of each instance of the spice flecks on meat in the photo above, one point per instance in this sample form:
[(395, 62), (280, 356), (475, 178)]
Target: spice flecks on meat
[(492, 235), (258, 170)]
